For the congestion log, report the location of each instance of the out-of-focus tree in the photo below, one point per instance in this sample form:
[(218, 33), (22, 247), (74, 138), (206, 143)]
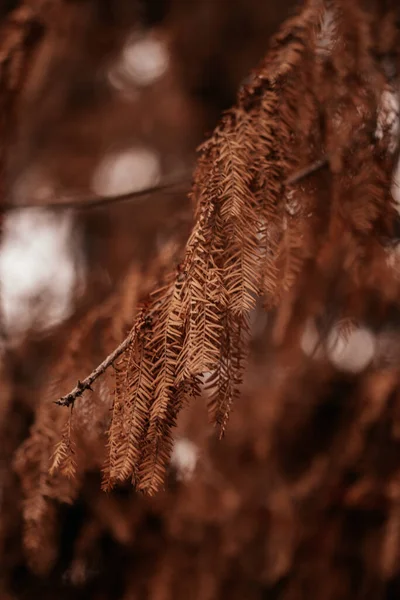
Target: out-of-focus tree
[(273, 291)]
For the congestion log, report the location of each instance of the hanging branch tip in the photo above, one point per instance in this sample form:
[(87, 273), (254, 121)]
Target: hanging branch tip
[(86, 384)]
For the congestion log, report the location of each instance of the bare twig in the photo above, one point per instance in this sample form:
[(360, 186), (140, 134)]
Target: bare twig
[(308, 170), (85, 202), (86, 384), (91, 201)]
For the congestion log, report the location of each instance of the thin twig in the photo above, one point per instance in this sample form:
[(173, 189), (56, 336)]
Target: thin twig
[(84, 202), (91, 201), (308, 170), (86, 384)]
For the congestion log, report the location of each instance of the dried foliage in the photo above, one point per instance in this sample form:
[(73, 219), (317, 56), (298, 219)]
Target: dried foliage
[(293, 217), (258, 236)]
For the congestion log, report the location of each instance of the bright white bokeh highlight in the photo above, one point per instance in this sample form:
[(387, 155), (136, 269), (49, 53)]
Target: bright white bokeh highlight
[(184, 458), (352, 353), (143, 61), (37, 270), (128, 171)]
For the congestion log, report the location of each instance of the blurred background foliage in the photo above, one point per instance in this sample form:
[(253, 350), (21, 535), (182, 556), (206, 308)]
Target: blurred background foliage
[(104, 97)]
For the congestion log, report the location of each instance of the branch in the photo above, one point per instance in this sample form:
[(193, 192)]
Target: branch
[(91, 201), (308, 170), (86, 384), (84, 202)]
